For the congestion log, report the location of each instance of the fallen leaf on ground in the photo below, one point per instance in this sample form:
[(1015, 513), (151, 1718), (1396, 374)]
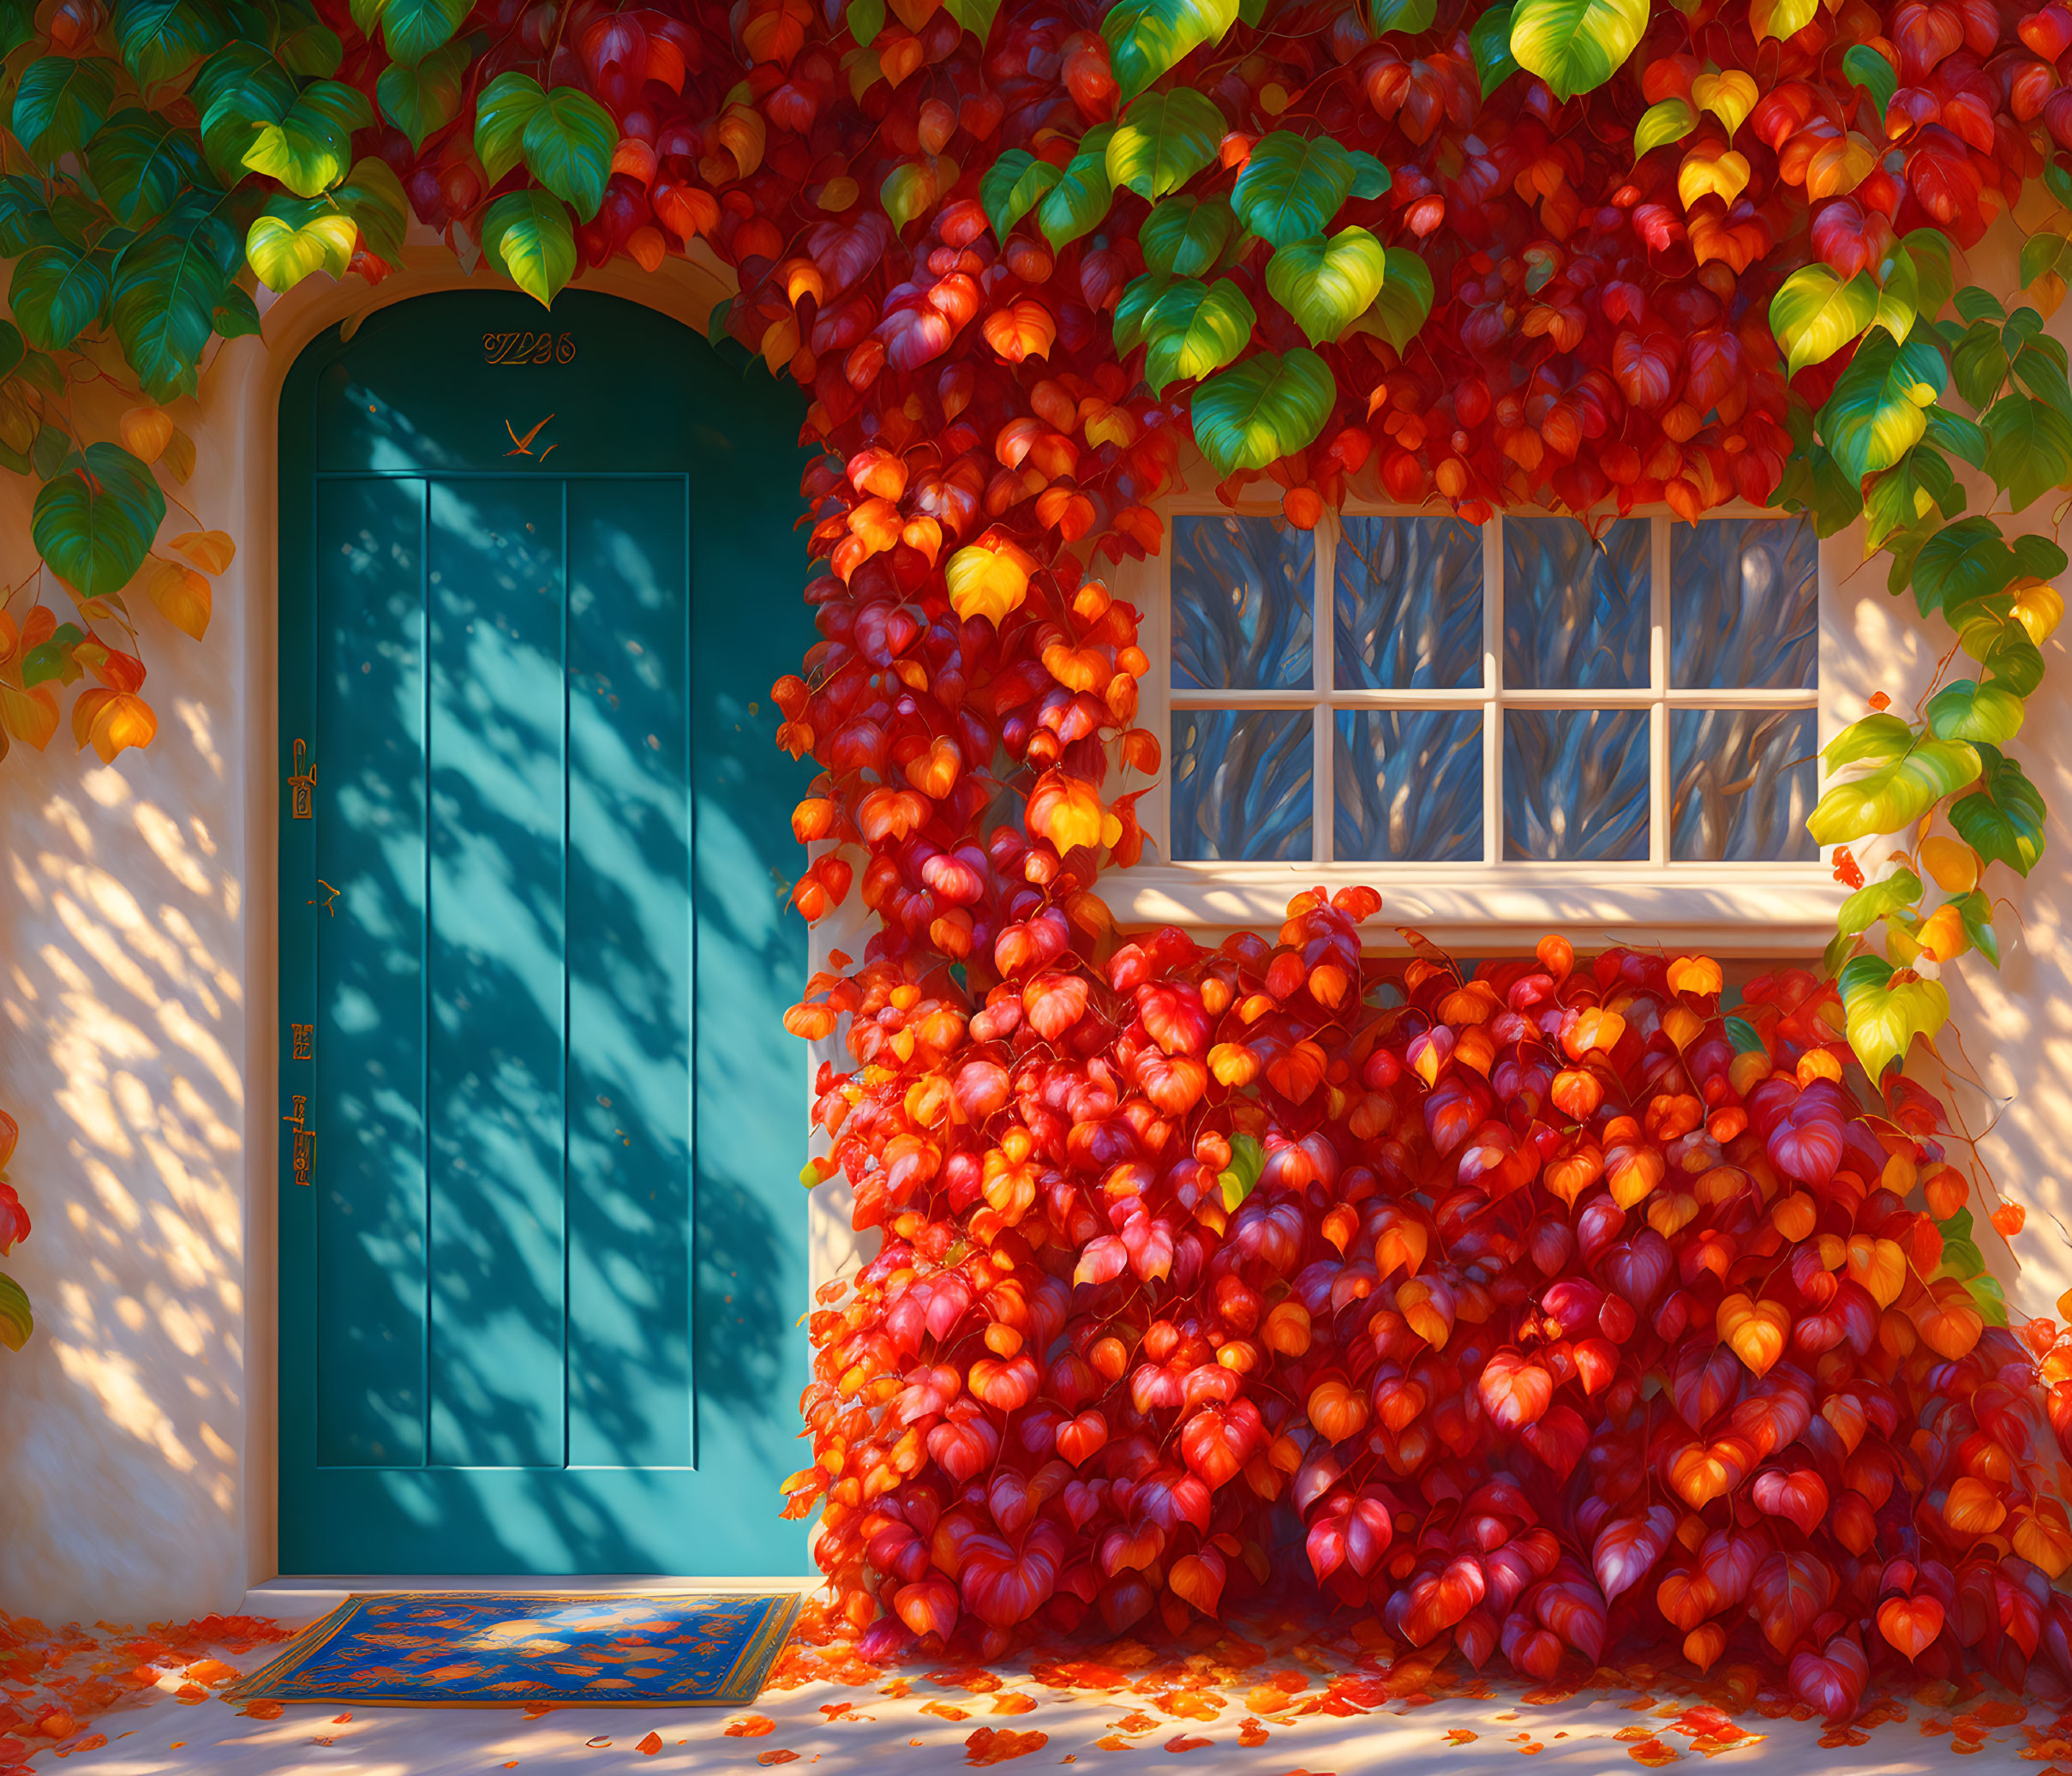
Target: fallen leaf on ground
[(1653, 1753), (1250, 1733), (997, 1744), (1013, 1701), (898, 1687), (262, 1710), (776, 1757), (1462, 1735), (1185, 1743), (598, 1742), (975, 1678), (748, 1726), (649, 1745), (209, 1671)]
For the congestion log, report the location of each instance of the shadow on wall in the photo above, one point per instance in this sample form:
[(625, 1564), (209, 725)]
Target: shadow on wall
[(123, 1010)]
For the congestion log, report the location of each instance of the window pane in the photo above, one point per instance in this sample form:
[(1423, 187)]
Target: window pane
[(1408, 786), (1744, 604), (1576, 784), (1576, 616), (1408, 607), (1742, 782), (1242, 593), (1242, 784)]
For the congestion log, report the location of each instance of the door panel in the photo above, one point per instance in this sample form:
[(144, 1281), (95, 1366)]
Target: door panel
[(539, 1276)]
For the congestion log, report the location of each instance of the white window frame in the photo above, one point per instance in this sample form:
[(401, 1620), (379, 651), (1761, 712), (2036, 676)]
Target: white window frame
[(1755, 909)]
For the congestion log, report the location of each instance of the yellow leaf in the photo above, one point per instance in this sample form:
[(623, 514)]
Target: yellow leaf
[(146, 431), (29, 715), (1729, 97), (125, 720), (210, 550), (1707, 171), (182, 596), (988, 582)]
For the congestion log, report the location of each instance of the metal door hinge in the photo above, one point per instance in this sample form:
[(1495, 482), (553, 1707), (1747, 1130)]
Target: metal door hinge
[(302, 784)]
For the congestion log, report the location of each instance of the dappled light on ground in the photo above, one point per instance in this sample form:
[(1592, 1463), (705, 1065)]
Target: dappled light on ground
[(1274, 1697)]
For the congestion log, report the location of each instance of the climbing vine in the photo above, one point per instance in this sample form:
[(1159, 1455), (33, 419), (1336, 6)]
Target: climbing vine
[(1560, 1306)]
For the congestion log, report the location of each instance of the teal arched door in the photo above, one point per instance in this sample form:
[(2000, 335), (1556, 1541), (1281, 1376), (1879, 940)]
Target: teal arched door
[(542, 1244)]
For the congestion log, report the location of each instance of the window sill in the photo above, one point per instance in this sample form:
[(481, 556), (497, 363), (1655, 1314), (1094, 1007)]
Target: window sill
[(1745, 910)]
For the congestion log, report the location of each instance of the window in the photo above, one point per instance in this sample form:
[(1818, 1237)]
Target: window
[(1413, 690)]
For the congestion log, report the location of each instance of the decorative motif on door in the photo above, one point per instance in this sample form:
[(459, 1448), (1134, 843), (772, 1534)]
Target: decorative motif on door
[(303, 783), (524, 444), (305, 1138)]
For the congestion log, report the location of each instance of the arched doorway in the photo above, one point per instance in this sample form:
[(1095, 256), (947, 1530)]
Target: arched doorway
[(541, 1247)]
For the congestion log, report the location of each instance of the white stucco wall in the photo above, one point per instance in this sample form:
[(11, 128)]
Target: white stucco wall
[(137, 1042)]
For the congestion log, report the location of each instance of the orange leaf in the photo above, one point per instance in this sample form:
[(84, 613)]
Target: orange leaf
[(776, 1757), (182, 596), (748, 1726), (996, 1745), (1185, 1743), (649, 1745)]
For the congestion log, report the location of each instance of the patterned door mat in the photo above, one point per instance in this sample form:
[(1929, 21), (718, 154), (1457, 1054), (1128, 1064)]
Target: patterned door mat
[(479, 1649)]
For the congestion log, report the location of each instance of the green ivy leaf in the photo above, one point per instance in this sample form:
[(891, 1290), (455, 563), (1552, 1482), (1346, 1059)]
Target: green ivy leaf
[(1882, 1020), (2043, 253), (1899, 296), (1011, 188), (1576, 45), (52, 661), (1865, 908), (1874, 416), (1960, 565), (1962, 438), (310, 146), (17, 25), (24, 217), (373, 196), (1193, 328), (161, 39), (1489, 41), (1409, 16), (1989, 1298), (1370, 179), (1880, 738), (1255, 413), (1139, 295), (2002, 819), (1325, 285), (1081, 195), (1814, 314), (138, 165), (294, 237), (1184, 237), (1292, 186), (236, 314), (60, 102), (168, 284), (2002, 646), (93, 523), (239, 91), (1866, 68), (976, 16), (1892, 796), (1148, 38), (423, 100), (1163, 140), (1247, 1161), (866, 19), (16, 1322), (1670, 120), (313, 50), (57, 293), (2029, 447), (565, 137), (413, 29), (1976, 910), (1967, 709), (1979, 364), (530, 234)]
